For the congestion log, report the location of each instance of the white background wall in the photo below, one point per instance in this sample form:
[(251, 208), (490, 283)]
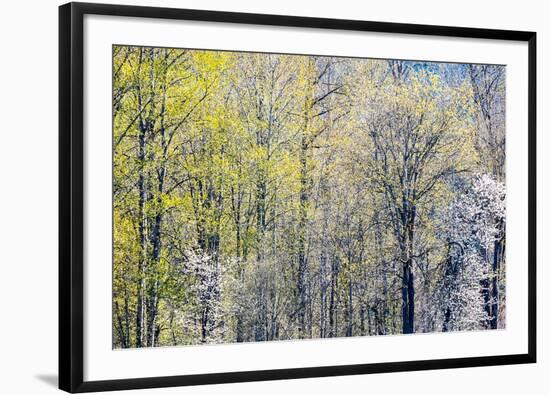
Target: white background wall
[(28, 194)]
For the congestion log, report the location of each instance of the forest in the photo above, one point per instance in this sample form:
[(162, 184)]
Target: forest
[(261, 197)]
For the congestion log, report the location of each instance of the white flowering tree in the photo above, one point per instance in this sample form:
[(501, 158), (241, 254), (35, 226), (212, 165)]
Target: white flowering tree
[(207, 292), (475, 225)]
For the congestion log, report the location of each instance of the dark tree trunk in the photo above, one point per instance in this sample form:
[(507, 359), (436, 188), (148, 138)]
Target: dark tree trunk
[(362, 320), (261, 193), (333, 301), (447, 320), (495, 294), (407, 285), (152, 299), (140, 305), (204, 325), (302, 222), (349, 330), (486, 290), (156, 245), (155, 238), (407, 293)]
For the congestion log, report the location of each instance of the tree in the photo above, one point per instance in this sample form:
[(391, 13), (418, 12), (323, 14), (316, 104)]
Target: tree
[(473, 224), (261, 197), (417, 137)]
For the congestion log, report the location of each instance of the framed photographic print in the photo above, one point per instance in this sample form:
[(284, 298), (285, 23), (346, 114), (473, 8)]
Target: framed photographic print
[(253, 197)]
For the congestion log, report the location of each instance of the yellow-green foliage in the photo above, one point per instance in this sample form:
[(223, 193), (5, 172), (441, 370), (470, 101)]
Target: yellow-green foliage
[(255, 164)]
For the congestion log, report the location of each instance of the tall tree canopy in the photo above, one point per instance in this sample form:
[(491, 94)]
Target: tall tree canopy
[(261, 197)]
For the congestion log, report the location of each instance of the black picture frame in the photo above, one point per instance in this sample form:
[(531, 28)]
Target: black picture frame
[(71, 204)]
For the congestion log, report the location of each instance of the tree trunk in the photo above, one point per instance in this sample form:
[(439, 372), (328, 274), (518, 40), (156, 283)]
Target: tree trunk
[(152, 299), (142, 239), (407, 293), (261, 192), (407, 285), (155, 239), (302, 223), (362, 320), (333, 301), (495, 294), (349, 330)]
